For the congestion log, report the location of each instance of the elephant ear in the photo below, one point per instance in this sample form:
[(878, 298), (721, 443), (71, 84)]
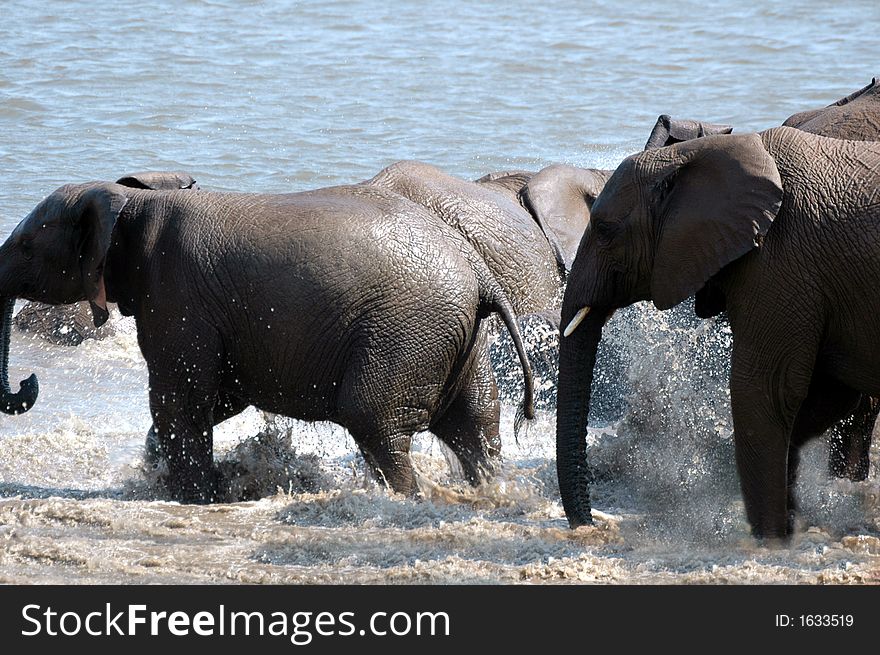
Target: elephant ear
[(714, 203), (560, 198), (96, 213), (668, 130), (159, 180)]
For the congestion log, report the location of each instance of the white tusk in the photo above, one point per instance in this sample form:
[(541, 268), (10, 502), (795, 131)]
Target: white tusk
[(580, 316)]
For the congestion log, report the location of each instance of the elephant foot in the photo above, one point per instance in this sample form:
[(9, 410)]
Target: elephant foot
[(202, 491), (778, 535), (480, 468), (192, 485)]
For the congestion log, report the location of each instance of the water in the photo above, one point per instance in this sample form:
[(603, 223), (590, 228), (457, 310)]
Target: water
[(289, 96)]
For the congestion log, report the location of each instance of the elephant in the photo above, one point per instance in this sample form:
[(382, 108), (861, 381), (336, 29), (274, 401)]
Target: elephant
[(70, 325), (527, 226), (559, 196), (347, 304), (782, 223), (521, 252), (855, 117)]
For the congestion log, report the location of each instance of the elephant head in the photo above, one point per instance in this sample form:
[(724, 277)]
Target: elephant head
[(56, 255), (667, 221), (72, 324), (855, 117), (558, 197)]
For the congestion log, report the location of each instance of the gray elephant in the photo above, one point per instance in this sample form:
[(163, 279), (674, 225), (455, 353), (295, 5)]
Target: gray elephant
[(527, 227), (783, 224), (348, 304), (70, 325), (855, 117), (521, 252), (559, 197)]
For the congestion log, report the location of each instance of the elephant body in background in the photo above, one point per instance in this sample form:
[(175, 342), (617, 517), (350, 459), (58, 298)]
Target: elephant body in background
[(70, 325), (348, 304), (783, 223), (519, 251), (855, 117)]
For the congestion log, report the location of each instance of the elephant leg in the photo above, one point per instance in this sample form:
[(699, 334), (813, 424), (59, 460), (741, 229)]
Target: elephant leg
[(226, 407), (767, 395), (761, 441), (395, 384), (184, 424), (382, 412), (469, 426), (826, 403), (850, 442), (388, 456), (184, 389)]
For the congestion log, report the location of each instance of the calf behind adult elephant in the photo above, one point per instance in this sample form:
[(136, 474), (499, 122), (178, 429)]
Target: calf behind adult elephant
[(521, 253), (784, 224), (348, 304), (559, 196)]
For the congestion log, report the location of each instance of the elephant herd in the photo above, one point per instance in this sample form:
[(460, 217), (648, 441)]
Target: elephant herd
[(366, 304)]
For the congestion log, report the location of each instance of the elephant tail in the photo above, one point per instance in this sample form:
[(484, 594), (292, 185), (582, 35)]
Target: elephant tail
[(498, 302)]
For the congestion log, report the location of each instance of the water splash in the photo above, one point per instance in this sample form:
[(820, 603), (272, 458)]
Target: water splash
[(671, 457)]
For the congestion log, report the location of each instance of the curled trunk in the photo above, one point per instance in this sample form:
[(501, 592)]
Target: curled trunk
[(577, 358), (24, 399)]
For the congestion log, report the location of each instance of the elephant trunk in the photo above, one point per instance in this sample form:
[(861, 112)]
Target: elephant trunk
[(577, 358), (24, 399)]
